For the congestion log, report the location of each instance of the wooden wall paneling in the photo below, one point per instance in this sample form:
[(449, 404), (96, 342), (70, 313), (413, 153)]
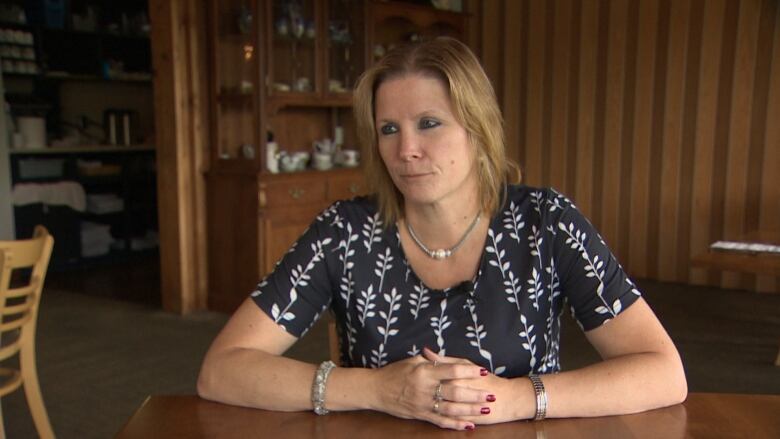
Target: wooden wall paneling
[(722, 126), (656, 118), (599, 122), (572, 120), (536, 81), (586, 108), (647, 29), (613, 121), (758, 121), (739, 133), (621, 247), (559, 109), (688, 151), (671, 149), (491, 51), (706, 116), (547, 90), (474, 25), (656, 139), (769, 212), (512, 78), (178, 49)]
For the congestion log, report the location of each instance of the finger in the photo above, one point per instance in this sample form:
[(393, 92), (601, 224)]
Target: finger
[(458, 409), (431, 356), (463, 394), (453, 424), (456, 371), (450, 423)]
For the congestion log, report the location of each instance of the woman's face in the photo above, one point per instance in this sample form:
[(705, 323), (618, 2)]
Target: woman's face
[(426, 151)]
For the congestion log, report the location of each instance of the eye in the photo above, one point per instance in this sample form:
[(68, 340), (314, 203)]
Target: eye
[(388, 129), (427, 123)]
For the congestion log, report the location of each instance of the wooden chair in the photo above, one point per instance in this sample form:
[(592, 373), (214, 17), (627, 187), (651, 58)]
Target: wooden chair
[(334, 349), (19, 314)]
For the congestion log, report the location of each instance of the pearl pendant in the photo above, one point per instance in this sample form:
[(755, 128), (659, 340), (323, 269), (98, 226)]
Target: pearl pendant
[(440, 254)]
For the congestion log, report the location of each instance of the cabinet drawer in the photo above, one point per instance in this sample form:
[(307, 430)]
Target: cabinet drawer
[(292, 192), (344, 188)]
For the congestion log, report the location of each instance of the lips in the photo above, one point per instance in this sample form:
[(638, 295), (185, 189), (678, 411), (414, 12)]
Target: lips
[(410, 173), (416, 176)]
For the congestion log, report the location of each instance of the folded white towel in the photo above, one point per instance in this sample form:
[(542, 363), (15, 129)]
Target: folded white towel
[(63, 193)]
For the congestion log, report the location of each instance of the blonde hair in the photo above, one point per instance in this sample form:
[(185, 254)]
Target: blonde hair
[(475, 107)]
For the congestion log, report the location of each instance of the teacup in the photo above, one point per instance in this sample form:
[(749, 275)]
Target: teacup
[(350, 157), (302, 84), (301, 160), (287, 162), (322, 161)]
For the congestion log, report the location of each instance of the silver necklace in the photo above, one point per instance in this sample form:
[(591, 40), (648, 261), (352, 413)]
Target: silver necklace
[(441, 253)]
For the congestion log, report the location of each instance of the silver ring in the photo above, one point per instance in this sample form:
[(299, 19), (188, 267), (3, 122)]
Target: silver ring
[(437, 393), (436, 406), (435, 363)]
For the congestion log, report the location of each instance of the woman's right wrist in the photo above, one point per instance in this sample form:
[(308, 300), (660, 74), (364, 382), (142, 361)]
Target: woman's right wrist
[(523, 399)]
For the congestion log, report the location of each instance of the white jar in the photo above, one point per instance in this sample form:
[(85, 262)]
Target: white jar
[(272, 157)]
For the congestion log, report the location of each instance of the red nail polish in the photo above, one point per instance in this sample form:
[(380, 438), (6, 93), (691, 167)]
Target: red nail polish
[(483, 372), (490, 398), (469, 427), (485, 410)]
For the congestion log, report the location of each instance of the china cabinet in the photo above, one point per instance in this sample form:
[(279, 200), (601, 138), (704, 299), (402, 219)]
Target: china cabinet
[(282, 73)]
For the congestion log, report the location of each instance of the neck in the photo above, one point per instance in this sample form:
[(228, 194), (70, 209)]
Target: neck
[(441, 225)]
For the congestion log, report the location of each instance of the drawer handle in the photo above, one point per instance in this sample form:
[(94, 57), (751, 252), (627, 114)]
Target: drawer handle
[(354, 188), (296, 193), (261, 198)]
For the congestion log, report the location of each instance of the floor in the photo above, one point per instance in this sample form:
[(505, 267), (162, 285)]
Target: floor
[(103, 345)]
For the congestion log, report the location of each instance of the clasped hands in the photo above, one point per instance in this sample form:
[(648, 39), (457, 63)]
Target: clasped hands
[(448, 392)]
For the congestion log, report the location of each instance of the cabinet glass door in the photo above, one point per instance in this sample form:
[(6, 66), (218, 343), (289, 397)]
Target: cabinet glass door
[(345, 42), (236, 66), (292, 60)]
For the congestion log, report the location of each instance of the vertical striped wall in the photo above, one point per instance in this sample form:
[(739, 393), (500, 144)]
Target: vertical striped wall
[(659, 118)]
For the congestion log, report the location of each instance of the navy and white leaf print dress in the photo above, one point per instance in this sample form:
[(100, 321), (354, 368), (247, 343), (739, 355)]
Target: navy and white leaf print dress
[(539, 252)]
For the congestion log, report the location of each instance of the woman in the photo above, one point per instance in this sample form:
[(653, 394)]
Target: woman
[(448, 285)]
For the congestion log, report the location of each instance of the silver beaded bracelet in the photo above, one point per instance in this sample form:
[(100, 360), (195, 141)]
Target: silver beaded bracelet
[(541, 397), (318, 387)]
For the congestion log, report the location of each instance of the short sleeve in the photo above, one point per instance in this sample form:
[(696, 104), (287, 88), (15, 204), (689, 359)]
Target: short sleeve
[(591, 278), (299, 289)]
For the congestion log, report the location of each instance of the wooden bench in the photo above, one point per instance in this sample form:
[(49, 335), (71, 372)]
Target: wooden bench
[(740, 261)]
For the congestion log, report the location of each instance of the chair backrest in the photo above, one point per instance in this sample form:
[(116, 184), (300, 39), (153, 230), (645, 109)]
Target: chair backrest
[(19, 303), (334, 347)]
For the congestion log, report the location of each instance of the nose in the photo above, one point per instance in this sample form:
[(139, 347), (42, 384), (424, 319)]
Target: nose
[(409, 148)]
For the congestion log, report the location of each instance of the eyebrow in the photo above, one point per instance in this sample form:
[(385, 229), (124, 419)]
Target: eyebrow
[(425, 113)]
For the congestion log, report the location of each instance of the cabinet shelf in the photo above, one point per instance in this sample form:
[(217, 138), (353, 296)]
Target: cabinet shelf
[(232, 96), (134, 183), (107, 149), (304, 100), (307, 42), (140, 77), (97, 34), (421, 15)]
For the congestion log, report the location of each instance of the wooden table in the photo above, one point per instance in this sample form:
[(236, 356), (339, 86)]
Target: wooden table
[(703, 415)]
